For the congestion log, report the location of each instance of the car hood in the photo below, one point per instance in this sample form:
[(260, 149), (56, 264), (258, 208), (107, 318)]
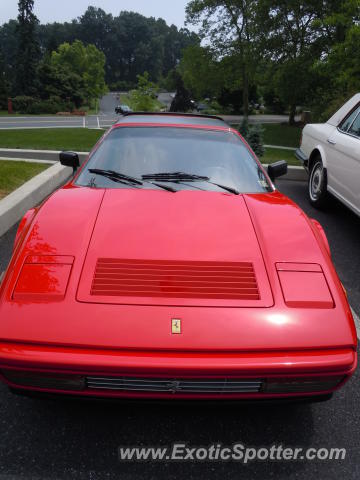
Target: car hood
[(189, 232), (184, 248)]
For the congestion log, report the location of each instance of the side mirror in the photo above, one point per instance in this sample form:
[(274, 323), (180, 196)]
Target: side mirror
[(277, 169), (70, 159)]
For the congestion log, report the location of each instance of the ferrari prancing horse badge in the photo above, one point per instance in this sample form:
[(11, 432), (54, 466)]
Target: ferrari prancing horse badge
[(175, 325)]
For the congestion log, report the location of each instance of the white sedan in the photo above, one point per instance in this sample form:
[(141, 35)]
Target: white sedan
[(330, 152)]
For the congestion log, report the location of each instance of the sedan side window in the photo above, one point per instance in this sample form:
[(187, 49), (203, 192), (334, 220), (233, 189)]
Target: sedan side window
[(347, 123), (355, 127)]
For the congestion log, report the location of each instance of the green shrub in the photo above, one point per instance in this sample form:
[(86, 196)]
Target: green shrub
[(143, 98), (254, 135), (22, 103), (44, 106), (244, 127), (141, 102), (255, 139), (121, 86), (33, 106)]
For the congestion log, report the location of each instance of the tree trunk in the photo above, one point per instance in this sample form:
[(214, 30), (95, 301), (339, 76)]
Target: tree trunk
[(245, 93), (292, 114)]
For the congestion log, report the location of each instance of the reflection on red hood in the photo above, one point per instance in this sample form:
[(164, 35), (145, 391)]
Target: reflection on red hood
[(189, 231)]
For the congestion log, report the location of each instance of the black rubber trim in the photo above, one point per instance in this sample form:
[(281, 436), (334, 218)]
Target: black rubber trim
[(178, 401), (173, 114), (300, 155)]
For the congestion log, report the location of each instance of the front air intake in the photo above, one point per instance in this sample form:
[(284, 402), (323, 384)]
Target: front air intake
[(176, 385), (177, 279)]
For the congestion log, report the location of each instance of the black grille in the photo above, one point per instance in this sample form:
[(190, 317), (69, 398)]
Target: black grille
[(175, 385)]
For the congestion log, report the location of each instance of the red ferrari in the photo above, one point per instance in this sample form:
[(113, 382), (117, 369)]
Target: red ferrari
[(170, 267)]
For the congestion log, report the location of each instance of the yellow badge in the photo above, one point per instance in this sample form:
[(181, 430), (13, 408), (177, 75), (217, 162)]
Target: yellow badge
[(175, 325)]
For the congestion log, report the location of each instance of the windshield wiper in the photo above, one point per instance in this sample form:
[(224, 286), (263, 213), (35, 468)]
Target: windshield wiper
[(178, 177), (112, 175), (167, 176), (126, 179)]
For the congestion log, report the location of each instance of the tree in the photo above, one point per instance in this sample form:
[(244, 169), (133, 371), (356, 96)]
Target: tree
[(339, 75), (130, 42), (229, 25), (143, 98), (94, 74), (87, 63), (9, 47), (182, 100), (3, 84), (200, 72), (296, 34), (28, 51), (56, 81)]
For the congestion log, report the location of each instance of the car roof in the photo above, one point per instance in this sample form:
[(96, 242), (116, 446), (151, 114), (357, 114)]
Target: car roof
[(172, 118)]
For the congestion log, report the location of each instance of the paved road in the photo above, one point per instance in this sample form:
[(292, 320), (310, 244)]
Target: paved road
[(24, 122), (104, 119), (79, 440)]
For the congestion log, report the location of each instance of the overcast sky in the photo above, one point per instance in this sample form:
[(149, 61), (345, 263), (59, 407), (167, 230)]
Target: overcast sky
[(172, 11)]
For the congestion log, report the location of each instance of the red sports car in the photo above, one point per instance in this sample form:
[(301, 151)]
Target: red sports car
[(170, 267)]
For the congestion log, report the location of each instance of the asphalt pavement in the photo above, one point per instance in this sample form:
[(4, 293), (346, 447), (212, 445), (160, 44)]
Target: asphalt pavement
[(59, 439)]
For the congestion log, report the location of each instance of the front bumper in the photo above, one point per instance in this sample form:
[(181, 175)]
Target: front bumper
[(270, 367), (300, 155)]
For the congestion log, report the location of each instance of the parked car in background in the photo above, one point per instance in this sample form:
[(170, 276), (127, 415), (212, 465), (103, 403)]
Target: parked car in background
[(121, 109), (201, 107), (330, 152)]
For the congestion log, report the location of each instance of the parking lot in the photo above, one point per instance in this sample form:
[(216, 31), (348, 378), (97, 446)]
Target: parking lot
[(83, 437)]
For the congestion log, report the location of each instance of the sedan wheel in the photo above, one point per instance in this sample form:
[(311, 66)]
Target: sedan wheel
[(318, 184)]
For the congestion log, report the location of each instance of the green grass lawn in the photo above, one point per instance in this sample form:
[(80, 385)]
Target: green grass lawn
[(13, 174), (275, 154), (281, 134), (79, 139)]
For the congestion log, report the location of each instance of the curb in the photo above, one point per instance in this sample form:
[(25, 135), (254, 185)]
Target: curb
[(27, 160), (49, 155), (33, 192), (278, 147)]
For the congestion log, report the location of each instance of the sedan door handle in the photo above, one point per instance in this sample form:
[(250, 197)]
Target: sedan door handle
[(332, 142)]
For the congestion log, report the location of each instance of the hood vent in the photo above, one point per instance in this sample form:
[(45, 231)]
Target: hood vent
[(176, 279)]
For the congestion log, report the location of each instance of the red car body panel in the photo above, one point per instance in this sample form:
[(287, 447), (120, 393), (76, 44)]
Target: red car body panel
[(301, 324)]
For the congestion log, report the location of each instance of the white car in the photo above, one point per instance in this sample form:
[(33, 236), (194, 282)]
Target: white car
[(330, 152)]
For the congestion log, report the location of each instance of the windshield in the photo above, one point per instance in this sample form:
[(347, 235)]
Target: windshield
[(220, 156)]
